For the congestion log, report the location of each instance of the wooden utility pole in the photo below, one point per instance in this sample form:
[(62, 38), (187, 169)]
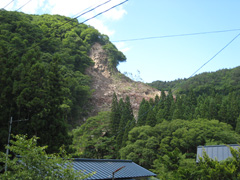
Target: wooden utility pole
[(7, 151), (9, 136)]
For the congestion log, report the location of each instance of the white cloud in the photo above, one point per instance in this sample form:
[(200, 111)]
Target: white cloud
[(122, 46), (68, 9), (4, 3), (113, 14), (99, 25), (31, 7), (72, 7)]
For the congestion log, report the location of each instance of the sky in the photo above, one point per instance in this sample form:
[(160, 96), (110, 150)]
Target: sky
[(169, 57)]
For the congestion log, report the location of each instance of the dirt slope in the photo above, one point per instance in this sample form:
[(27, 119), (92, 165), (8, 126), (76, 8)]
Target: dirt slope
[(106, 82)]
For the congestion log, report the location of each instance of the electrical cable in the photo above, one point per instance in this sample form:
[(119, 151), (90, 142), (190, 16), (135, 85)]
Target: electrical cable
[(75, 25), (8, 4), (189, 77), (200, 67), (177, 35), (92, 9), (104, 11), (23, 5), (85, 12), (215, 55)]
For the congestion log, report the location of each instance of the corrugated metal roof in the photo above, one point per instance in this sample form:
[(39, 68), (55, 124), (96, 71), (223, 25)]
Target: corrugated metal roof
[(105, 167), (221, 152)]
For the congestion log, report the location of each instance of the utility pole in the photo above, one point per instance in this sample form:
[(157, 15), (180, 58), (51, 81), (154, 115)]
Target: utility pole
[(9, 135), (7, 151)]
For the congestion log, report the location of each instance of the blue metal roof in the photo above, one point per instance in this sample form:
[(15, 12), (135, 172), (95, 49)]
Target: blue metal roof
[(221, 152), (104, 168)]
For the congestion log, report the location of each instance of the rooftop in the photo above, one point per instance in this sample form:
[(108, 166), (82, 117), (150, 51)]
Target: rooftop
[(104, 168), (219, 152)]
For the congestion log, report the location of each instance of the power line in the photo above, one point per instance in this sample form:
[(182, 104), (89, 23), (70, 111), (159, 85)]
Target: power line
[(202, 65), (104, 11), (177, 35), (85, 12), (93, 9), (152, 107), (215, 55), (8, 4), (24, 5), (77, 24)]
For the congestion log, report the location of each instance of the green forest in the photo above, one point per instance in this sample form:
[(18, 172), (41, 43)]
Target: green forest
[(43, 62), (43, 59)]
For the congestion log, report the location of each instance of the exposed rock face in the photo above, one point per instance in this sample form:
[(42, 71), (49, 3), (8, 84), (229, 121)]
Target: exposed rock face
[(106, 82)]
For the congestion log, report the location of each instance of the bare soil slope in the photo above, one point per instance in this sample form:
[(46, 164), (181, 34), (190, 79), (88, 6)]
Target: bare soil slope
[(106, 82)]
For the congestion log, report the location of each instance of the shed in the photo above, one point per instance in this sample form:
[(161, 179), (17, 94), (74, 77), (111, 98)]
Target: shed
[(219, 152), (104, 169)]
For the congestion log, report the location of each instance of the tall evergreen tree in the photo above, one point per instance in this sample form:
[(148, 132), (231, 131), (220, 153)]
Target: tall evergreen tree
[(179, 108), (115, 114), (156, 100), (56, 125), (151, 118), (213, 111), (223, 111), (127, 118), (237, 129), (168, 106), (142, 113), (190, 105)]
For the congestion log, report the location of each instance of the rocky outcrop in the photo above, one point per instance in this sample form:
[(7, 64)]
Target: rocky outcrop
[(106, 82)]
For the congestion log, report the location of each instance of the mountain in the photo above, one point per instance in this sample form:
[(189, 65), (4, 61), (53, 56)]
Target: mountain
[(222, 82), (106, 81), (56, 72)]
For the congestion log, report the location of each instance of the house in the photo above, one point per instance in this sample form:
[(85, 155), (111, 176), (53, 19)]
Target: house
[(109, 169), (219, 152)]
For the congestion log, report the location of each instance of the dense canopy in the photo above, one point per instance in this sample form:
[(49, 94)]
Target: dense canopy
[(42, 79)]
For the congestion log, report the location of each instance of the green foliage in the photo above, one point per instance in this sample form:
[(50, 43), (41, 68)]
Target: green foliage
[(115, 114), (92, 139), (127, 122), (166, 85), (190, 106), (142, 113), (207, 95), (174, 165), (145, 143), (237, 129), (43, 61), (34, 163), (213, 169), (141, 146), (222, 82), (114, 55), (103, 135)]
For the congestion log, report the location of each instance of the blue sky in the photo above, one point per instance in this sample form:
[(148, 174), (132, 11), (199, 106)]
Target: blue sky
[(163, 59)]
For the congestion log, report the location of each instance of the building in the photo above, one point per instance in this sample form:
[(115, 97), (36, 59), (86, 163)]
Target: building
[(219, 152), (109, 168)]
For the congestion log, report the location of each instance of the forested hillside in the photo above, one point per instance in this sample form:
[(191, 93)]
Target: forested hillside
[(221, 82), (43, 61), (168, 129), (44, 64)]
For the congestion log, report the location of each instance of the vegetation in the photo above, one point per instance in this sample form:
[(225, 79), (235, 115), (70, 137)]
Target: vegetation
[(221, 82), (42, 79), (174, 165), (34, 163), (103, 135)]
